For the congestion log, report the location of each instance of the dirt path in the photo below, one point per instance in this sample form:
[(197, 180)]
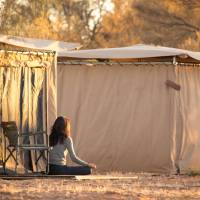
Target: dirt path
[(142, 186)]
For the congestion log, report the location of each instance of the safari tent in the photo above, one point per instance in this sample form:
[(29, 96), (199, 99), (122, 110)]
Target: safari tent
[(132, 108), (27, 85)]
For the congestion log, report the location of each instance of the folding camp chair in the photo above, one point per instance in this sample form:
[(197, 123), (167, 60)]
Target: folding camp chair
[(10, 131)]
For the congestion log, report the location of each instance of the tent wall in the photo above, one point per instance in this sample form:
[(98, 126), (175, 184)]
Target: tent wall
[(122, 116), (26, 80), (188, 118)]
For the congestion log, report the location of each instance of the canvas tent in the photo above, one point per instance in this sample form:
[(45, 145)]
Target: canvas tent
[(23, 46), (124, 115), (27, 85)]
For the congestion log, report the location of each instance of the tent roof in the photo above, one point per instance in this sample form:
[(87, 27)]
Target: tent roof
[(136, 51), (68, 50), (58, 46)]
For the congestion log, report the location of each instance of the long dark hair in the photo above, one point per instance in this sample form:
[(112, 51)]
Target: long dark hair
[(58, 131)]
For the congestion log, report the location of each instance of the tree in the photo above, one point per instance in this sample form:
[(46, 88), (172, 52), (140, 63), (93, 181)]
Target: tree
[(174, 23), (168, 22), (27, 20), (66, 20), (83, 20), (119, 27)]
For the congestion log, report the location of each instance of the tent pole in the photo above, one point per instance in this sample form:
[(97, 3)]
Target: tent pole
[(92, 64), (1, 134), (25, 52), (46, 113), (174, 61)]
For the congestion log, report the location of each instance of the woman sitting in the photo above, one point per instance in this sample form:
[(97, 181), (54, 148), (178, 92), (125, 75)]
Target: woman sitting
[(61, 143)]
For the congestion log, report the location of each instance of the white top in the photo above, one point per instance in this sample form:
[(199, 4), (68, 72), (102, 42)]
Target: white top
[(58, 153)]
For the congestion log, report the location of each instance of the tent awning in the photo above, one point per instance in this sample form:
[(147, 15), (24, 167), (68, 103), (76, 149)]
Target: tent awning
[(30, 43), (68, 50), (136, 51)]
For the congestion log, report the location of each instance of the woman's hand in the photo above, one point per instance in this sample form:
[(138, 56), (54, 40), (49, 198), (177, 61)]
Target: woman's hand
[(92, 165)]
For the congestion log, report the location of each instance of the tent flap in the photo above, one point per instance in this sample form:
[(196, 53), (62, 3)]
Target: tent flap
[(24, 85)]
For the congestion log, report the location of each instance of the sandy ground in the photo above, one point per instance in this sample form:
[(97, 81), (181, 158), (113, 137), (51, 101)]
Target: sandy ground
[(138, 186)]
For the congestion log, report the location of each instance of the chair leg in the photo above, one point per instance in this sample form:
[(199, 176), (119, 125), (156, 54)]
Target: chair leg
[(11, 154), (4, 167), (42, 153), (4, 156), (16, 160), (47, 163), (7, 158), (36, 161)]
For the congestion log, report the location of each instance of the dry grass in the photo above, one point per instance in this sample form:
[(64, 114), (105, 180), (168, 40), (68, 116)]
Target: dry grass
[(143, 186)]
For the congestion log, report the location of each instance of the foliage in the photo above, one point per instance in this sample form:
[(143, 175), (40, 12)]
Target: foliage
[(174, 23), (52, 19)]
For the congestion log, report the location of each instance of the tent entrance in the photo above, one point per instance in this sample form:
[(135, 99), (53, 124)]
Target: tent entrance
[(23, 95)]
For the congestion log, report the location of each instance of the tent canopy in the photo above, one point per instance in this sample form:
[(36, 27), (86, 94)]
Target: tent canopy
[(132, 52), (67, 50), (40, 44)]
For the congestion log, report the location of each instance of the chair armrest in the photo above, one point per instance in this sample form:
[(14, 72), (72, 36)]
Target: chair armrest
[(31, 133)]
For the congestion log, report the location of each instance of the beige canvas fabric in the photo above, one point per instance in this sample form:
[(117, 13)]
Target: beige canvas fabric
[(52, 94), (136, 51), (122, 115), (68, 49), (22, 86), (188, 116), (42, 44)]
